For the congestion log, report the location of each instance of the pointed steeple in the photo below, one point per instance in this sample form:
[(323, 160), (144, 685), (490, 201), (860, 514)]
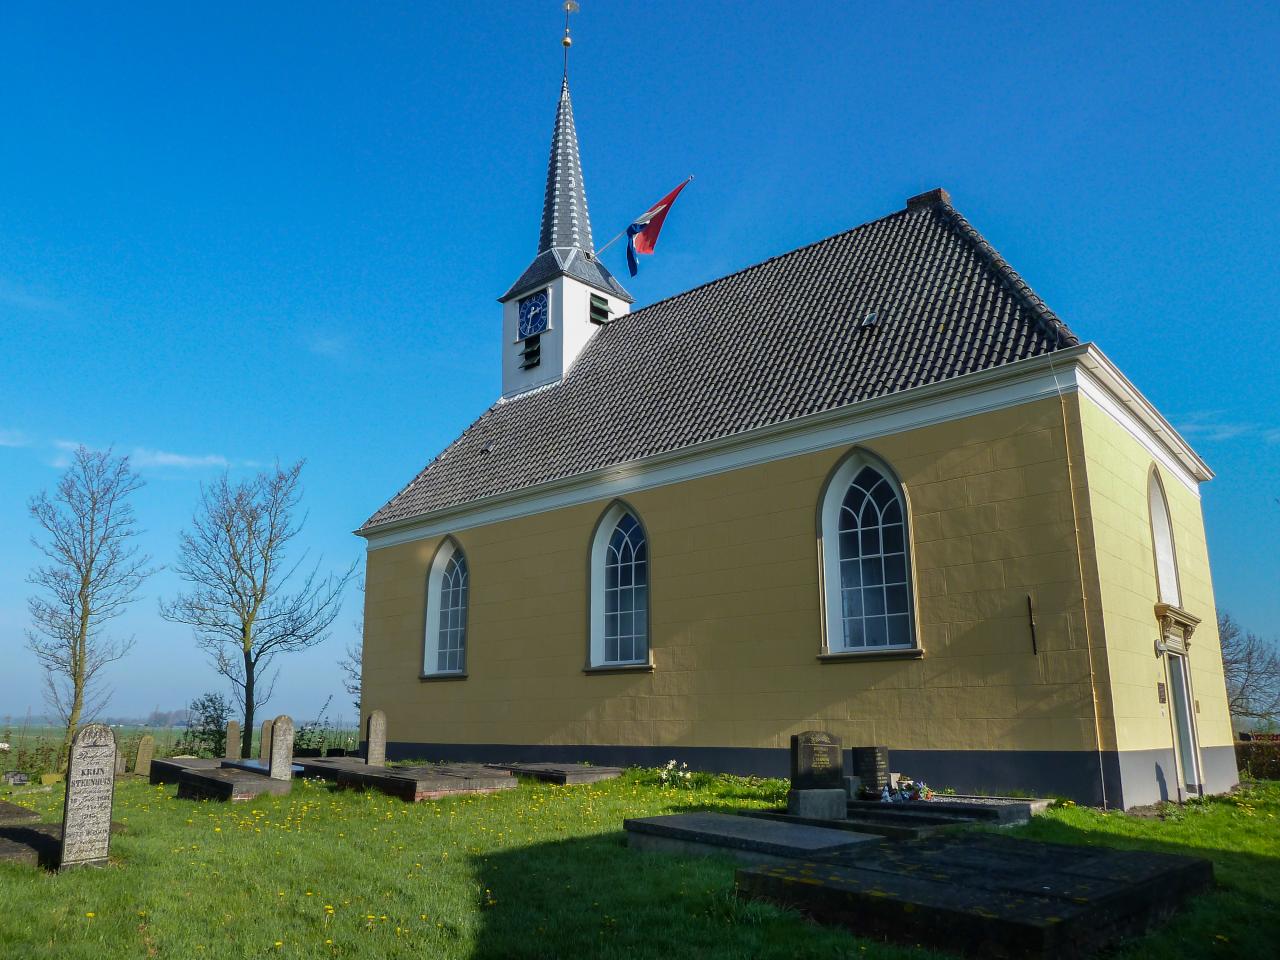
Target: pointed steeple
[(565, 222)]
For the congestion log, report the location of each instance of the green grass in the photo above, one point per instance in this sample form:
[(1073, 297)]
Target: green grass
[(541, 871)]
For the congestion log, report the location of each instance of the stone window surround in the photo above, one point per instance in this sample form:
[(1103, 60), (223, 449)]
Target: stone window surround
[(596, 662), (828, 523), (431, 632)]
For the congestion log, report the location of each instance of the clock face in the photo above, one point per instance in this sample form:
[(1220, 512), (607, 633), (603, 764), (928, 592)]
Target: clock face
[(533, 315)]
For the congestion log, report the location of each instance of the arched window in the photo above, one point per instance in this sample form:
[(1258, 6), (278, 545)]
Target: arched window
[(866, 559), (445, 650), (619, 590), (1162, 538)]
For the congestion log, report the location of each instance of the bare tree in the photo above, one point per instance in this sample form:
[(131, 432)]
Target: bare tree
[(248, 602), (352, 664), (1252, 668), (94, 569)]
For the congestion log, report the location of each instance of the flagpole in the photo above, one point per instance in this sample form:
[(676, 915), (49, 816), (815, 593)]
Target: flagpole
[(623, 233)]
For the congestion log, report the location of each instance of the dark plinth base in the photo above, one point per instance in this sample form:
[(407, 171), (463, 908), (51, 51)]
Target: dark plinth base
[(747, 839), (169, 770), (37, 844), (987, 895), (13, 815), (229, 785), (425, 783), (560, 773)]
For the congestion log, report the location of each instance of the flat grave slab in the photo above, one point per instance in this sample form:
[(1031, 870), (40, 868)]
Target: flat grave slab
[(1005, 810), (324, 768), (560, 773), (169, 769), (889, 827), (36, 844), (426, 782), (256, 766), (12, 814), (985, 895), (748, 839), (228, 784)]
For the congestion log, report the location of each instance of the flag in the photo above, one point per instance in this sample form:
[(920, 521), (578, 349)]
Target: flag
[(642, 236)]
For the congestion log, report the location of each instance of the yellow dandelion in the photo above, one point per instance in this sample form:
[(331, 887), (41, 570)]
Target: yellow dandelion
[(90, 914)]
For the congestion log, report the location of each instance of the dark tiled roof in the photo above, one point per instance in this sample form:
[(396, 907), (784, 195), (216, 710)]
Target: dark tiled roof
[(782, 339)]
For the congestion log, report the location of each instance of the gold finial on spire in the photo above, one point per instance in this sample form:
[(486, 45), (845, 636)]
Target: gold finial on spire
[(570, 6)]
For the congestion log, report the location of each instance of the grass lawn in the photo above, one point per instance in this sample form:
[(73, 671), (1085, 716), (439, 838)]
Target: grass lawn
[(541, 871)]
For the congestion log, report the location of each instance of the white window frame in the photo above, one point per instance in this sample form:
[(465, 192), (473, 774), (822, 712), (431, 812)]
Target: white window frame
[(829, 546), (1164, 549), (599, 546), (431, 638)]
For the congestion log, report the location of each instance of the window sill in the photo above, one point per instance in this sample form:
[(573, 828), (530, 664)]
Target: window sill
[(620, 668), (429, 677), (903, 653)]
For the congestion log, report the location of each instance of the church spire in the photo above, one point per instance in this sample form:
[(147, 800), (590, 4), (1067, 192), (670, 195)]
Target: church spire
[(565, 222)]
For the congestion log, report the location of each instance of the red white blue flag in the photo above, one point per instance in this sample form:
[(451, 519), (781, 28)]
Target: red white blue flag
[(642, 236)]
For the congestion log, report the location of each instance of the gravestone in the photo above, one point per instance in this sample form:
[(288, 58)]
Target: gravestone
[(264, 745), (142, 759), (375, 737), (232, 750), (817, 761), (86, 811), (817, 776), (16, 778), (281, 748), (871, 764), (122, 765)]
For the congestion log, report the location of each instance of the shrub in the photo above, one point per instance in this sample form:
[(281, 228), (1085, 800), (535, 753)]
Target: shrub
[(206, 733)]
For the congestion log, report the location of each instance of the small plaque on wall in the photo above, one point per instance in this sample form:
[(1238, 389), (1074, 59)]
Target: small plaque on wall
[(1162, 692)]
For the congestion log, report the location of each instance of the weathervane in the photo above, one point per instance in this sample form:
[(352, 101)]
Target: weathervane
[(569, 7)]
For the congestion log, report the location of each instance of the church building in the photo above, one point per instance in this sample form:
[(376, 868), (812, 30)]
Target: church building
[(873, 486)]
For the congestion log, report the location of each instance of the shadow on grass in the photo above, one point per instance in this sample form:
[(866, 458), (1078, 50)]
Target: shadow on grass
[(593, 897), (1239, 917)]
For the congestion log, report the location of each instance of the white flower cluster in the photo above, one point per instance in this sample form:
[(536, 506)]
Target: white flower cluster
[(675, 775), (5, 747)]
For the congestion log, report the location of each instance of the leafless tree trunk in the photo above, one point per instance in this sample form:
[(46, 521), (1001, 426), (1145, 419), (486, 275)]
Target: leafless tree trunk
[(352, 665), (235, 558), (94, 569), (1252, 668)]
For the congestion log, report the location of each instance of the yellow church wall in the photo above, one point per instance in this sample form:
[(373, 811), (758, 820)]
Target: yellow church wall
[(1118, 467), (736, 612)]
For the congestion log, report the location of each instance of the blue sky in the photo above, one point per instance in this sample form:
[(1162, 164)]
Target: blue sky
[(231, 234)]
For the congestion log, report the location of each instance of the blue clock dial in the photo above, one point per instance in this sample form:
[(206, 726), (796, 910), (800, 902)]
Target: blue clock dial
[(533, 315)]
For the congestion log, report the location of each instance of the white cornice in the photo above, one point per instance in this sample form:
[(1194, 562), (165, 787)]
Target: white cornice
[(1077, 369)]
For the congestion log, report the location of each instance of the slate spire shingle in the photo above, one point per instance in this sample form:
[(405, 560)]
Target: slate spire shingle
[(565, 223)]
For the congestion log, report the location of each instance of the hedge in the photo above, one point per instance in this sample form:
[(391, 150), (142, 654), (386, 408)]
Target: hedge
[(1258, 759)]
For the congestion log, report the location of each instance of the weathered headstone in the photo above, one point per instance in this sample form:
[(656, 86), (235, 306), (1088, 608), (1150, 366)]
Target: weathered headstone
[(146, 753), (86, 811), (282, 748), (817, 776), (232, 751), (16, 778), (264, 746), (375, 736), (122, 765)]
